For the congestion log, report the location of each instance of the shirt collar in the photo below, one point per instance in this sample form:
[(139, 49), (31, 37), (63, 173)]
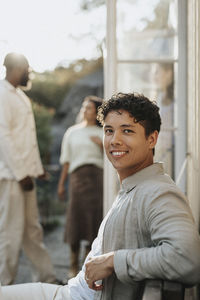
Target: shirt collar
[(8, 85), (132, 181)]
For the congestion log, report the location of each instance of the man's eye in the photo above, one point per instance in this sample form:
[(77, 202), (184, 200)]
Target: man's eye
[(128, 131), (108, 131)]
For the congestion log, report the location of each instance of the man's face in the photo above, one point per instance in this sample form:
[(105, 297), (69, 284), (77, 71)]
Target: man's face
[(126, 145), (24, 75)]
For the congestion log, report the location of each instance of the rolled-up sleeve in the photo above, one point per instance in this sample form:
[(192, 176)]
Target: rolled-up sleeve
[(175, 251)]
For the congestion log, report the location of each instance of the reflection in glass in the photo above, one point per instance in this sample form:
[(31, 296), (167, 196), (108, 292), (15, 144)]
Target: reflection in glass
[(163, 78), (155, 81), (135, 78), (146, 29)]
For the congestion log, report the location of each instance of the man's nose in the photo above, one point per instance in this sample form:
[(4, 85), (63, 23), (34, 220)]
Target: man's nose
[(116, 139)]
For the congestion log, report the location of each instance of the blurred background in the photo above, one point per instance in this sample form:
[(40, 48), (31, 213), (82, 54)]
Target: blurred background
[(63, 43), (100, 47)]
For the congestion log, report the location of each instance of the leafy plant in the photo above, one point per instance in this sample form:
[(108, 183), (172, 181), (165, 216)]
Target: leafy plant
[(43, 118)]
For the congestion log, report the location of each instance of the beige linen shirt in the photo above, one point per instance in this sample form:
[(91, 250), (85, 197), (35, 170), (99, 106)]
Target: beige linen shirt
[(19, 154), (151, 229)]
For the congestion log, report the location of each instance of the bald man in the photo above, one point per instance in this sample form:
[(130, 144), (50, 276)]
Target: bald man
[(19, 164)]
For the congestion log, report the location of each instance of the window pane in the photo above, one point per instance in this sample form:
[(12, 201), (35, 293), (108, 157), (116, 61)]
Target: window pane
[(146, 29), (163, 80), (135, 77), (155, 81)]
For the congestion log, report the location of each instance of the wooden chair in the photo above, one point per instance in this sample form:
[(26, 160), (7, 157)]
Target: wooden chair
[(163, 290)]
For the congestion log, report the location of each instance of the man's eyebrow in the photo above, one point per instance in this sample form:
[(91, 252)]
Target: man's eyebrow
[(123, 125), (127, 125)]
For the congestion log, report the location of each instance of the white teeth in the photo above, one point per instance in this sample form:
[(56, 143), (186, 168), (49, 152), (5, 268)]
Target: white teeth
[(118, 153)]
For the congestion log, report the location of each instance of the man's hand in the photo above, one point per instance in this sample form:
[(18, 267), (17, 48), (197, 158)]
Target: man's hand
[(27, 184), (45, 176), (98, 268)]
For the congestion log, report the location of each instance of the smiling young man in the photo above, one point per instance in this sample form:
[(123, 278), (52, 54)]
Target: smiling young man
[(149, 231), (127, 146)]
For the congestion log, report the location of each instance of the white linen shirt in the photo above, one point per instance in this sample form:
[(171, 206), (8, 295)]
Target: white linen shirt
[(19, 154)]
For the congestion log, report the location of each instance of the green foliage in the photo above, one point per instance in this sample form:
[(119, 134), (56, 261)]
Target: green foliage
[(43, 118), (50, 208), (46, 195), (50, 88)]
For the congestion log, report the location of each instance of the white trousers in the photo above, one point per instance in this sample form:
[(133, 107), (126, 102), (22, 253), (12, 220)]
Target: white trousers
[(20, 228), (34, 291)]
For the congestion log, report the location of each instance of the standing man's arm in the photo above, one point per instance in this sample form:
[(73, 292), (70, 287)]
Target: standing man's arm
[(8, 151)]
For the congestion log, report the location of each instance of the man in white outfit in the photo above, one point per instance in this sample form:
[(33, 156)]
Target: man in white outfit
[(19, 164)]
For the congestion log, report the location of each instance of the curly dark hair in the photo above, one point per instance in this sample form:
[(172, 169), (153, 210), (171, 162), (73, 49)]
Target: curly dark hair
[(144, 111)]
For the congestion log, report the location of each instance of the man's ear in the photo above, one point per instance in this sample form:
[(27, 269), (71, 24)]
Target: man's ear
[(152, 138)]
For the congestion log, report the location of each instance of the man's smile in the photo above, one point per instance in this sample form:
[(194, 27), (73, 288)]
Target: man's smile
[(118, 153)]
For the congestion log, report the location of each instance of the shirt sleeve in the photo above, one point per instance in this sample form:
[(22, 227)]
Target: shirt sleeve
[(175, 251), (8, 150), (65, 149)]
